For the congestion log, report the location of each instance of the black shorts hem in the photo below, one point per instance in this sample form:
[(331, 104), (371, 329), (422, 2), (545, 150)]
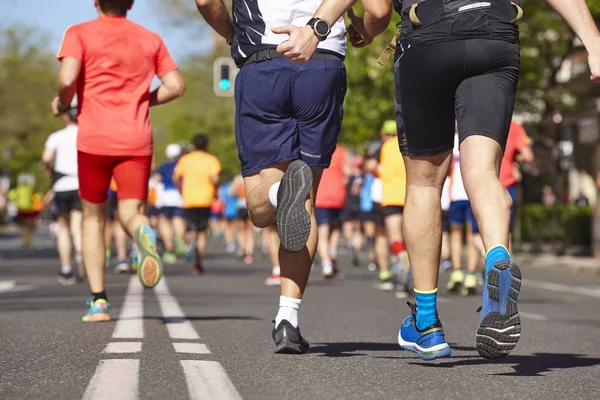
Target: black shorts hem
[(481, 132), (425, 153), (388, 211)]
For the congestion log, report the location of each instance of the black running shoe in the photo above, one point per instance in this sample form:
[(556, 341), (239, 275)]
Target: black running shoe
[(288, 339), (293, 221), (67, 279)]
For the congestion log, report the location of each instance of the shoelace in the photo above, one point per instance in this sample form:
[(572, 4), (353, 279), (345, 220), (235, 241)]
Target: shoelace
[(413, 308)]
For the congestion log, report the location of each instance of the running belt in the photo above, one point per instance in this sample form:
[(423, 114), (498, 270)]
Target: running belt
[(269, 54)]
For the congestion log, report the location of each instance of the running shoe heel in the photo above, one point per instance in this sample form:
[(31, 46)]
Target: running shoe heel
[(150, 267), (293, 221), (500, 326)]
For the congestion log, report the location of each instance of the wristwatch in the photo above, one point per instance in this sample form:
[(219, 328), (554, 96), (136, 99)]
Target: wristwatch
[(60, 108), (321, 27)]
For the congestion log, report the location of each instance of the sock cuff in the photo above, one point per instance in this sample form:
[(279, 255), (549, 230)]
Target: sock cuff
[(497, 248), (273, 190), (426, 291), (290, 302)]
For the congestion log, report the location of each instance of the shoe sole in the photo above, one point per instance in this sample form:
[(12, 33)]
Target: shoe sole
[(445, 352), (97, 318), (150, 266), (498, 333), (293, 221), (66, 281), (288, 347)]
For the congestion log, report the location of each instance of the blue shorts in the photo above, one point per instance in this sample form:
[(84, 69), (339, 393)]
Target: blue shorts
[(327, 216), (460, 212), (153, 211), (287, 111), (171, 212)]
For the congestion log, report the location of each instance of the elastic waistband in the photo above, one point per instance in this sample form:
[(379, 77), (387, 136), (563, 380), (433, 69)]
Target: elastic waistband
[(270, 53)]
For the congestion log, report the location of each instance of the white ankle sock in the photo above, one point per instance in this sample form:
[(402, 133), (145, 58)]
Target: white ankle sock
[(288, 310), (66, 269), (276, 270), (273, 193)]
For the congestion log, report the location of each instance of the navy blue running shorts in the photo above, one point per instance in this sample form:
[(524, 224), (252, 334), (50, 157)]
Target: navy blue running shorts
[(288, 111)]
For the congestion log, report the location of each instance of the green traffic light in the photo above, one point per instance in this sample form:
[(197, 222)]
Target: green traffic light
[(225, 85)]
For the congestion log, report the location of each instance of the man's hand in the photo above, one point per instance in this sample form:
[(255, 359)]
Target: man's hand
[(301, 45), (356, 31), (594, 63), (55, 109)]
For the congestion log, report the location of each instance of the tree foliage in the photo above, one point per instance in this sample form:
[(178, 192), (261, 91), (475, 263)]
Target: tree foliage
[(27, 85)]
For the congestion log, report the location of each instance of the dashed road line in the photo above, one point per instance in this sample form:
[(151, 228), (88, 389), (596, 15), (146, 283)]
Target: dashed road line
[(177, 325), (7, 286), (130, 324), (114, 379), (191, 348), (207, 380), (123, 347)]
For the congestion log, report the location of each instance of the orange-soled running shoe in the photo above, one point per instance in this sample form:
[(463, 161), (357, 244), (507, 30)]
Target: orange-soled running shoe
[(98, 311), (150, 266)]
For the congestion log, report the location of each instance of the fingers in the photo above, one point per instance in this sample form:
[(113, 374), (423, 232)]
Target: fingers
[(351, 14), (288, 29)]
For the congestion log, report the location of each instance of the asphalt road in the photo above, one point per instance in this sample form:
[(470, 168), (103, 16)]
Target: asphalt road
[(208, 337)]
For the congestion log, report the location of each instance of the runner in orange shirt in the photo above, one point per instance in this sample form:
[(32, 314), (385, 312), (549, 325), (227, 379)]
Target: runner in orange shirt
[(110, 63), (331, 198), (518, 151)]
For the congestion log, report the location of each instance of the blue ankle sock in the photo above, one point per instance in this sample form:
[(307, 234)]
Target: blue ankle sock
[(495, 254), (426, 308)]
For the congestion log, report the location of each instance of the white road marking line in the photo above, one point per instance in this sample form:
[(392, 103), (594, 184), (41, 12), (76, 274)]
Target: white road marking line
[(556, 287), (7, 286), (178, 326), (207, 380), (23, 288), (130, 324), (192, 348), (114, 379), (124, 347), (536, 317)]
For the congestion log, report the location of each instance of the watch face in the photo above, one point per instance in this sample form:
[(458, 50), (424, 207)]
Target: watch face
[(322, 28)]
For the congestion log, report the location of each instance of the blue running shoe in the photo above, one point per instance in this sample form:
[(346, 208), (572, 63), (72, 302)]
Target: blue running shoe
[(429, 343), (500, 325), (98, 311)]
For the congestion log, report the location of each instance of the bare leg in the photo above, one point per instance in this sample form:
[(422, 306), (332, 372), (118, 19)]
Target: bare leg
[(422, 220), (64, 241), (120, 241), (295, 267), (323, 245), (382, 249), (75, 226), (491, 202), (166, 232), (93, 243), (200, 246), (456, 246), (250, 238)]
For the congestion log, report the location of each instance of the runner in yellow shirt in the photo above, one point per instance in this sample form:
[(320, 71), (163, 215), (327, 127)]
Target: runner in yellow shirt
[(196, 176)]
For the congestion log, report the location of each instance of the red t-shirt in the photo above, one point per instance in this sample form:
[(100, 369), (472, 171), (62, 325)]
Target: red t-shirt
[(333, 191), (517, 141), (119, 59)]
